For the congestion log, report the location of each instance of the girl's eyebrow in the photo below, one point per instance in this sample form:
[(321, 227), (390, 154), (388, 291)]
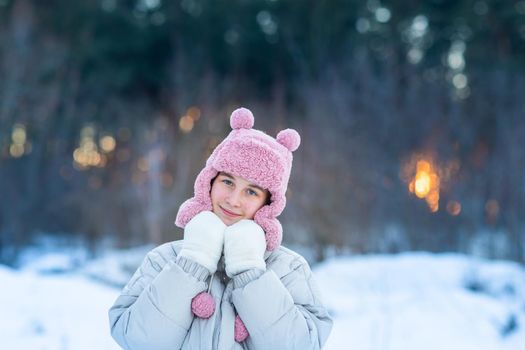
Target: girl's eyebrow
[(250, 185), (226, 174)]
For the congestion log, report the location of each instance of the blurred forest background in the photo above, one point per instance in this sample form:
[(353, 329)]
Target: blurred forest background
[(411, 115)]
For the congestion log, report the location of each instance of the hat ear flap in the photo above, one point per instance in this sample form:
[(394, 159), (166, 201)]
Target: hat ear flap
[(189, 209), (266, 218), (201, 201), (273, 232), (202, 185)]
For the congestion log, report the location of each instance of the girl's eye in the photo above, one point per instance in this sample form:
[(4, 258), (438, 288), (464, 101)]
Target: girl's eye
[(252, 192), (227, 182)]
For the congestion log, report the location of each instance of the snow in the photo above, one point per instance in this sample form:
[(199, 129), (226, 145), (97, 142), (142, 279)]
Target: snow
[(424, 301), (53, 312), (406, 301)]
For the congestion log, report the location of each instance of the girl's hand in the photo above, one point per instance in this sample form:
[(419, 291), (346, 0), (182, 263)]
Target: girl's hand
[(244, 247), (204, 240)]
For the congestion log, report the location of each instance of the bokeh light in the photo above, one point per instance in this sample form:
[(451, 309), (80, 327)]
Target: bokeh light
[(423, 180), (454, 208)]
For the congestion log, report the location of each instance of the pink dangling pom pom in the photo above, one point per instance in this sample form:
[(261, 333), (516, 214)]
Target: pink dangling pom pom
[(289, 138), (240, 331), (203, 305), (241, 118)]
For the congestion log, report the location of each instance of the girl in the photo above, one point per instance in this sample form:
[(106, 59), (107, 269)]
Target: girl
[(229, 284)]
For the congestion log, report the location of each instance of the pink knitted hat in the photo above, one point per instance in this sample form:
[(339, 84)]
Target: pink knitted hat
[(256, 157)]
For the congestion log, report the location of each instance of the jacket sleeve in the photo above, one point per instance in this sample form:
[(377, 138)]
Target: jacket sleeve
[(154, 309), (282, 313)]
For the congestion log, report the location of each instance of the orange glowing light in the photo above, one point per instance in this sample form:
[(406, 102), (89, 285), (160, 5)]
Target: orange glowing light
[(422, 184), (194, 113), (423, 166), (107, 143), (19, 144), (425, 183), (433, 200), (87, 154), (186, 124), (16, 150), (19, 134)]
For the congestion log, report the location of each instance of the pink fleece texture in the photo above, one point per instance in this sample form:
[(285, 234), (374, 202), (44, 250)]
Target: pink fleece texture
[(240, 331), (203, 305), (256, 157)]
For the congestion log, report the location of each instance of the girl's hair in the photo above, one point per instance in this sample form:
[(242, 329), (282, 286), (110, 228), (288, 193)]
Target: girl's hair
[(268, 198)]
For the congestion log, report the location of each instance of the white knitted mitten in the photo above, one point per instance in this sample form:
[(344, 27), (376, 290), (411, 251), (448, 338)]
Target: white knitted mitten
[(244, 247), (204, 240)]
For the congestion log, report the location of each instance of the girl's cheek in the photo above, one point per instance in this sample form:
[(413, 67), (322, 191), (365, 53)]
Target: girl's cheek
[(253, 208)]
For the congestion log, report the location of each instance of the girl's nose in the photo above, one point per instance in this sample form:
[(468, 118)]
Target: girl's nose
[(234, 199)]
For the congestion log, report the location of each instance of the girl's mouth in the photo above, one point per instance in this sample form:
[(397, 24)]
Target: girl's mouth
[(229, 213)]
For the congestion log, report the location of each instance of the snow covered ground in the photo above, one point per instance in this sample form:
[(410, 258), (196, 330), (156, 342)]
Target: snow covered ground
[(424, 301), (407, 301)]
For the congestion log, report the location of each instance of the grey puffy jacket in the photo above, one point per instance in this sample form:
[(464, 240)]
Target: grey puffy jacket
[(281, 307)]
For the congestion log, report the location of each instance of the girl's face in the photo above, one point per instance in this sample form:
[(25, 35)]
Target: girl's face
[(233, 198)]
